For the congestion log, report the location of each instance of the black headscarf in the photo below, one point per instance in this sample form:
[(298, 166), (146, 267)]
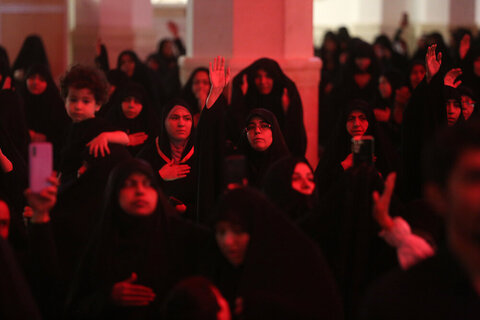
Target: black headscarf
[(146, 121), (466, 91), (260, 161), (32, 52), (291, 122), (118, 79), (284, 275), (277, 185)]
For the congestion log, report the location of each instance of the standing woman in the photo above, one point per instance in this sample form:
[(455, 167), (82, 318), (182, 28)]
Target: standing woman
[(47, 119), (264, 85), (196, 90), (140, 251)]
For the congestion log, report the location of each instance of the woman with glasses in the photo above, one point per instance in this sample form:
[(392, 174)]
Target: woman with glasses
[(262, 143)]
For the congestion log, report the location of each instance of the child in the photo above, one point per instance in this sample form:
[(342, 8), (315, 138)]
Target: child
[(84, 90)]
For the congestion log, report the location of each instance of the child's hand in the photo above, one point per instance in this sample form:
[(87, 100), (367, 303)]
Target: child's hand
[(137, 138), (99, 143)]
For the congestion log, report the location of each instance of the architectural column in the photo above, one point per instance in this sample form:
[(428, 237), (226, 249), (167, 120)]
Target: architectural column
[(121, 24), (245, 30)]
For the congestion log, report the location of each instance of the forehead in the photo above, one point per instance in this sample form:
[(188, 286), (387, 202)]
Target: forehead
[(80, 92), (356, 113), (302, 167), (257, 119), (36, 75), (418, 68), (466, 98), (202, 74), (179, 110), (137, 176), (262, 72), (126, 57)]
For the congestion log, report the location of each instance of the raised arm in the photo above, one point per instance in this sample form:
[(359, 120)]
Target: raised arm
[(219, 78), (100, 142)]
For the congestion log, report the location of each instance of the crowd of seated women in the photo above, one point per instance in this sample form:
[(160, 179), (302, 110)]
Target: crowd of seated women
[(170, 202)]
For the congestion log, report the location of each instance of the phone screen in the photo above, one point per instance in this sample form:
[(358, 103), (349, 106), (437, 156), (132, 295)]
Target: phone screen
[(41, 165)]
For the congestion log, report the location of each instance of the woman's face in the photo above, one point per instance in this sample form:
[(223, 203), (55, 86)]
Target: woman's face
[(467, 106), (131, 107), (232, 241), (259, 134), (201, 84), (357, 123), (263, 82), (137, 195), (416, 75), (179, 123), (302, 179), (127, 64), (36, 84), (384, 87), (453, 111), (363, 63)]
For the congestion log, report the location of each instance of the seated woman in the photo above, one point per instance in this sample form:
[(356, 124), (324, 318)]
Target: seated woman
[(138, 253), (289, 183), (196, 90), (135, 116), (264, 266), (172, 155), (264, 85)]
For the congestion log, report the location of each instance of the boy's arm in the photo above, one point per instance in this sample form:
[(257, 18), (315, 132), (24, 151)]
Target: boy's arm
[(100, 142)]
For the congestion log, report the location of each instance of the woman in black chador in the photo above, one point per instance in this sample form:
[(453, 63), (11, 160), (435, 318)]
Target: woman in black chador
[(264, 266), (134, 115), (139, 252), (196, 90), (264, 85), (262, 144), (32, 52), (47, 119)]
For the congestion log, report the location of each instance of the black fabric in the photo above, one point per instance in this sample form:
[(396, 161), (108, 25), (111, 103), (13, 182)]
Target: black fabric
[(291, 122), (143, 76), (258, 162), (344, 228), (283, 276), (159, 248), (32, 52), (16, 301), (117, 79), (437, 288), (45, 112), (146, 121), (168, 69), (187, 92), (75, 151), (277, 185)]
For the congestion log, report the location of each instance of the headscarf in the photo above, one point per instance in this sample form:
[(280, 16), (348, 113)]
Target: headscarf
[(283, 275), (187, 90), (32, 52)]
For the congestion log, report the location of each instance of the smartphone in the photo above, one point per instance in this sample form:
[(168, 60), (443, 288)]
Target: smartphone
[(40, 155), (363, 149)]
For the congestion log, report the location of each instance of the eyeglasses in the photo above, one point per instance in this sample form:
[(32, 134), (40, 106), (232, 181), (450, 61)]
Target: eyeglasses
[(262, 126)]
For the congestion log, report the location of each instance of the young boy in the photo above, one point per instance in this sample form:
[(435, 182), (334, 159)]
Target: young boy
[(84, 90)]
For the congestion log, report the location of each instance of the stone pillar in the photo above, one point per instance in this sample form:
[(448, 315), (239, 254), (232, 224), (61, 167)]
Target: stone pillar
[(48, 19), (121, 24), (245, 30)]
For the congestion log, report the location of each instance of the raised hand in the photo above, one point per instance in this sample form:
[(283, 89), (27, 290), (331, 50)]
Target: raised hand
[(381, 203), (41, 203), (172, 171), (285, 100), (451, 78), (126, 293), (433, 62), (219, 78), (244, 86), (464, 46)]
